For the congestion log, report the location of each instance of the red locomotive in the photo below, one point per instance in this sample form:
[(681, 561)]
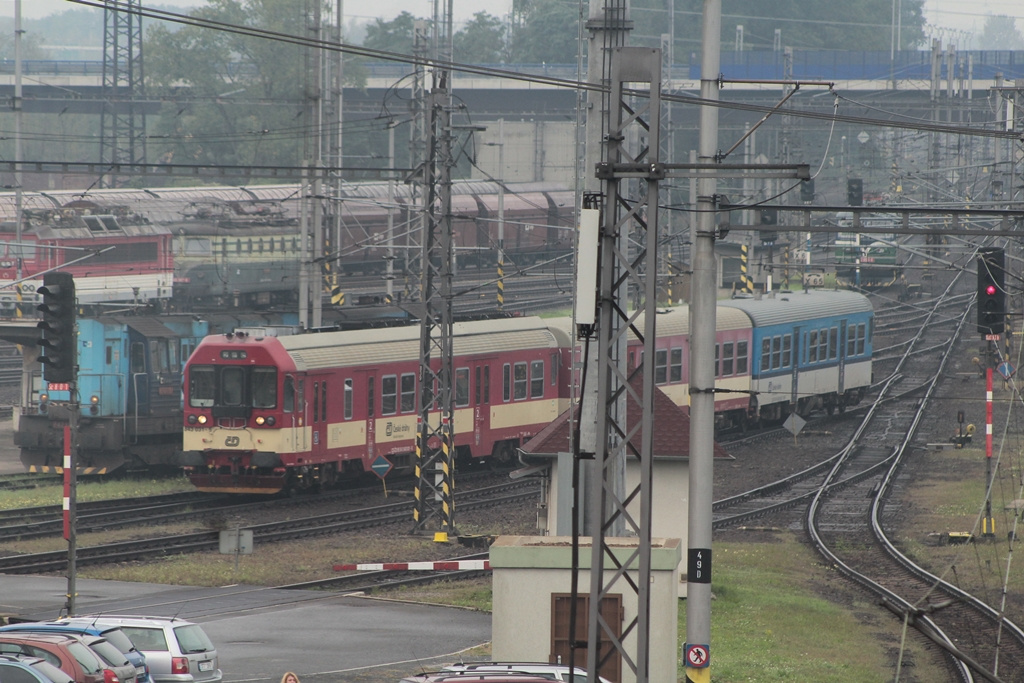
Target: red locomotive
[(265, 414)]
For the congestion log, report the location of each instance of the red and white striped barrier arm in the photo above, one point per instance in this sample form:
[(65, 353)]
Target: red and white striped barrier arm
[(415, 566)]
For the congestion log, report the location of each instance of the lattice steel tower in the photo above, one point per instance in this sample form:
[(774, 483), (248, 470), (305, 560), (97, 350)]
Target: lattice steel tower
[(122, 121)]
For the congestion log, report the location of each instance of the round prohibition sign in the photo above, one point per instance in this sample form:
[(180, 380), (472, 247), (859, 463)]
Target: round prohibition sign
[(697, 656)]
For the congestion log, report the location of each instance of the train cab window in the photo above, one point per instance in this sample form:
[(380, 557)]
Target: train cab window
[(741, 357), (264, 387), (202, 386), (409, 392), (519, 381), (728, 360), (462, 387), (537, 379), (766, 354), (348, 399), (232, 389), (288, 398), (159, 356), (197, 246), (487, 384), (675, 365), (109, 358), (137, 360), (389, 395), (787, 351), (833, 341), (506, 382), (661, 366)]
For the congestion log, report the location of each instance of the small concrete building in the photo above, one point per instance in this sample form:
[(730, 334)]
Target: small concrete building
[(532, 600), (547, 455)]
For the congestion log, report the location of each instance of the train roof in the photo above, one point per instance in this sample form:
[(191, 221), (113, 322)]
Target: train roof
[(783, 308), (390, 345)]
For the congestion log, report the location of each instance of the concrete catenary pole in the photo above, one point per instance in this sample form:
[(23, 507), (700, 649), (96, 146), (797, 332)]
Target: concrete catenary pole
[(702, 364)]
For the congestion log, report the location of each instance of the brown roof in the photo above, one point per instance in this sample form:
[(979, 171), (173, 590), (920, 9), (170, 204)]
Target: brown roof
[(671, 428)]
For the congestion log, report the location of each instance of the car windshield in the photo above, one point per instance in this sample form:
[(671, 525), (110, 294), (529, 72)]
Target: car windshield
[(118, 639), (107, 652), (90, 662), (192, 639), (146, 639)]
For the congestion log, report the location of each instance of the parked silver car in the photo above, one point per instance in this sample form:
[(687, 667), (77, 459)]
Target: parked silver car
[(556, 672), (176, 650)]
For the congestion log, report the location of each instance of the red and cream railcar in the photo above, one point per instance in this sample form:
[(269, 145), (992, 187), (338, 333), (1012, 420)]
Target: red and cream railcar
[(732, 361), (265, 414)]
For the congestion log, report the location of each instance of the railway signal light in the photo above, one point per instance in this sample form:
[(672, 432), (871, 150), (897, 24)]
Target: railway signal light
[(58, 326), (855, 192), (991, 291), (807, 190)]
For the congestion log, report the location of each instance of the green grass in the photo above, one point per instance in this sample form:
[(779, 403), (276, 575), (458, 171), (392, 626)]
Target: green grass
[(770, 622), (89, 490)]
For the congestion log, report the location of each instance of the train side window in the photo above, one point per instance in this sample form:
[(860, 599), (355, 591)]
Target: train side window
[(660, 366), (259, 245), (555, 364), (766, 354), (506, 383), (270, 244), (812, 346), (264, 387), (248, 247), (408, 392), (462, 387), (202, 386), (851, 340), (487, 384), (238, 246), (519, 381), (348, 399), (861, 339), (288, 399), (137, 361), (110, 354), (388, 394), (316, 401), (833, 341), (718, 367), (741, 357), (776, 352), (675, 365), (537, 379), (787, 351), (477, 386), (823, 344), (232, 385), (728, 349), (323, 400)]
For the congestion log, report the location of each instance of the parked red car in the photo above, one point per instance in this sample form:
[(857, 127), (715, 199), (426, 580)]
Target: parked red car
[(67, 653)]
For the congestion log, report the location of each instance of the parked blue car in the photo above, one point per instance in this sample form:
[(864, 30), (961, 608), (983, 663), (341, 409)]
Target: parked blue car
[(113, 634)]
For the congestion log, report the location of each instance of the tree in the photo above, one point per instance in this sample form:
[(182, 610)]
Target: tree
[(481, 40), (544, 31), (232, 99), (391, 36), (1000, 33)]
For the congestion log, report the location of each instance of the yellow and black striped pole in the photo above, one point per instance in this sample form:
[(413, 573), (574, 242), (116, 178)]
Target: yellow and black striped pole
[(748, 283), (501, 279)]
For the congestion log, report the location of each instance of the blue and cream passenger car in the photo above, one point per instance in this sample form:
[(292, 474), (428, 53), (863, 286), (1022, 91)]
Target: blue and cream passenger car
[(809, 350)]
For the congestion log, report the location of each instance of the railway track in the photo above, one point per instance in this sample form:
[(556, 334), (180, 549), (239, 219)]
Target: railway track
[(284, 530), (844, 502)]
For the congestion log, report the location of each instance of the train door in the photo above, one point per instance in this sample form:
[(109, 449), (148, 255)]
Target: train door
[(138, 379), (371, 415), (481, 403), (318, 417), (840, 386), (292, 406)]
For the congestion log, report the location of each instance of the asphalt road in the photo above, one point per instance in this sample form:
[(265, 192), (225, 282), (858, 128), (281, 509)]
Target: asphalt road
[(262, 633)]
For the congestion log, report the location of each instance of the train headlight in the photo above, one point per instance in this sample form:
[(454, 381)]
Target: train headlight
[(192, 419), (202, 419), (43, 398), (270, 420), (260, 420), (94, 400)]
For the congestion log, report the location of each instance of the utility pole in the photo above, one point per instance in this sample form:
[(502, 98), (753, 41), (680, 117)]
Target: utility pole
[(18, 119), (702, 353), (435, 430), (122, 121)]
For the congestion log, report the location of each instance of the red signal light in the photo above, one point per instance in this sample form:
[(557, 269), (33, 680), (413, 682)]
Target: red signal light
[(990, 290)]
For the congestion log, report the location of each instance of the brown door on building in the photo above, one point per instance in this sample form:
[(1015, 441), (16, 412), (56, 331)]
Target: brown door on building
[(611, 612)]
